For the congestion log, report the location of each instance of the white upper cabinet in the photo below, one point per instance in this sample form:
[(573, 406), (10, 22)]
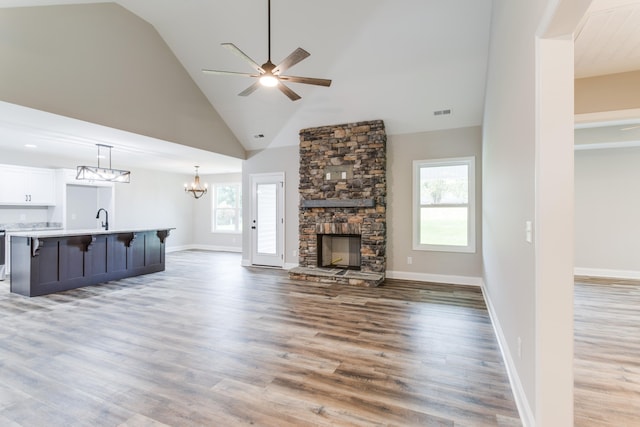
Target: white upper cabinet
[(21, 186)]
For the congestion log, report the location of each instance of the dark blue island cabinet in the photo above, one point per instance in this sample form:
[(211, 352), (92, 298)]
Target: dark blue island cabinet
[(47, 262)]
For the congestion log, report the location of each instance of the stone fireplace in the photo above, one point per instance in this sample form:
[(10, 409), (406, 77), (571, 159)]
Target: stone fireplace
[(342, 213)]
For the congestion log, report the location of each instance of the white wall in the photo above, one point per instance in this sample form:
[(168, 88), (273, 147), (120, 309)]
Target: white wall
[(287, 160), (23, 214), (607, 212), (155, 199), (402, 150), (203, 237)]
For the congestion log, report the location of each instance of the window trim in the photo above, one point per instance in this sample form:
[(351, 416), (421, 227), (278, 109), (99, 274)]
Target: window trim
[(471, 213), (238, 207)]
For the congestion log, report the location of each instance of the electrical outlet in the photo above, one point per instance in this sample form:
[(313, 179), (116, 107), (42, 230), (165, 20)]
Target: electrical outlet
[(528, 231), (409, 260), (295, 252), (519, 348)]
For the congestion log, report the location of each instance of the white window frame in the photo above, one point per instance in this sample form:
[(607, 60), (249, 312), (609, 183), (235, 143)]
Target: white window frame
[(238, 207), (471, 205)]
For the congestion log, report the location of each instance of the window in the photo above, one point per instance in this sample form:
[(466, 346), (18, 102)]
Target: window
[(227, 208), (444, 205)]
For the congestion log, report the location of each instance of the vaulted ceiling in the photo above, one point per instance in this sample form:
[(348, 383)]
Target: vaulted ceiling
[(398, 61)]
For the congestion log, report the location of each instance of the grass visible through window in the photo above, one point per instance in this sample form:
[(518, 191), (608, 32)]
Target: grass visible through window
[(443, 226)]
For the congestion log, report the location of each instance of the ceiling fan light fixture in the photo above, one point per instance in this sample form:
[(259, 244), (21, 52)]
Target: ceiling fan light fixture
[(268, 81), (270, 75)]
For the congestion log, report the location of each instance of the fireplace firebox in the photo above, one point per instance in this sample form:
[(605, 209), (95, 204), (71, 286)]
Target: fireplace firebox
[(339, 251)]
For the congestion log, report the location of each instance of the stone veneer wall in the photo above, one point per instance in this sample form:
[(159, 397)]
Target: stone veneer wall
[(357, 150)]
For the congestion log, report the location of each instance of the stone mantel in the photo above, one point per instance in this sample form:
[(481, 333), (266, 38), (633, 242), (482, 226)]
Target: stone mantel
[(338, 203)]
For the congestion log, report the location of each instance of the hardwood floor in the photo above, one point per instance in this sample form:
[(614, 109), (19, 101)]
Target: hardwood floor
[(607, 352), (210, 343)]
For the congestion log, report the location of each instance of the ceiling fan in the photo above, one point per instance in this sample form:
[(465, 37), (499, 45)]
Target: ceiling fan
[(270, 75)]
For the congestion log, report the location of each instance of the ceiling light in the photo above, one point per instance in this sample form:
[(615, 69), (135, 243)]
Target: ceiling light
[(96, 173), (195, 188), (30, 146), (268, 80)]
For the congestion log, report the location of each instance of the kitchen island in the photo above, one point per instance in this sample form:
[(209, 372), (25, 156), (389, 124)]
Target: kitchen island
[(43, 262)]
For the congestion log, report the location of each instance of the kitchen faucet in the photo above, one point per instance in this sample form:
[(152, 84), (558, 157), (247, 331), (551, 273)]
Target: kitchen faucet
[(105, 224)]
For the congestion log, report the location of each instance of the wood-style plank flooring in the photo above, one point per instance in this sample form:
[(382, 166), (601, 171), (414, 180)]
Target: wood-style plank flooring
[(210, 343), (607, 352)]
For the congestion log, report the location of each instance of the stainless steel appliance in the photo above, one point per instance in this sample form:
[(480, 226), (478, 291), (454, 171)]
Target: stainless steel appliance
[(2, 254)]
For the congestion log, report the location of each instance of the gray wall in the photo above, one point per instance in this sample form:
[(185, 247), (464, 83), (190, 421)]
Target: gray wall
[(607, 212), (402, 150), (107, 66), (528, 176), (287, 160), (82, 205)]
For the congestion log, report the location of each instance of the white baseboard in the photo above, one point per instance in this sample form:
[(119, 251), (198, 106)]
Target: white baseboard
[(177, 248), (213, 248), (603, 272), (524, 408), (245, 262), (289, 265), (435, 278)]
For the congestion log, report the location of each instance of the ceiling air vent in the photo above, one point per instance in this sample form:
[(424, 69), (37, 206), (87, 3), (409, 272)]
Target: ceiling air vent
[(258, 135), (442, 112)]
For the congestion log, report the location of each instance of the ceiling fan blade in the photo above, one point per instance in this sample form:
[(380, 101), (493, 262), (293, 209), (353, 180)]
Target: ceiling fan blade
[(230, 73), (291, 94), (250, 89), (306, 80), (233, 48), (296, 56)]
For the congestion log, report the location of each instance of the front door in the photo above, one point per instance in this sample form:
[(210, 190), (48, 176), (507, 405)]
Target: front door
[(267, 221)]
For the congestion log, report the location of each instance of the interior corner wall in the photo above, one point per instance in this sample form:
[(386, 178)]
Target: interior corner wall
[(102, 64), (203, 237), (155, 199), (611, 92), (607, 238), (508, 186), (402, 150), (282, 159)]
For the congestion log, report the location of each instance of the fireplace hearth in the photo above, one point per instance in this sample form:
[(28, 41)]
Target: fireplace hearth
[(342, 216)]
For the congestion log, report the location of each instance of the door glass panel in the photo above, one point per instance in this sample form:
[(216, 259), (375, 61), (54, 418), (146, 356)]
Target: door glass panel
[(266, 198)]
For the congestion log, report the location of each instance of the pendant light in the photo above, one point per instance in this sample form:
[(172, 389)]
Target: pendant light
[(96, 173), (195, 188)]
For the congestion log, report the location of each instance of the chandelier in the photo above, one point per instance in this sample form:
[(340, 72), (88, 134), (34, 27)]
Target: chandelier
[(195, 188), (93, 173)]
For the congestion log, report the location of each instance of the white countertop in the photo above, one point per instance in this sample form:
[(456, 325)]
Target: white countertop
[(87, 232)]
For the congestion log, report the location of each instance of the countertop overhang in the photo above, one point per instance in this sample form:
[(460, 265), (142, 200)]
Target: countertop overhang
[(39, 234)]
